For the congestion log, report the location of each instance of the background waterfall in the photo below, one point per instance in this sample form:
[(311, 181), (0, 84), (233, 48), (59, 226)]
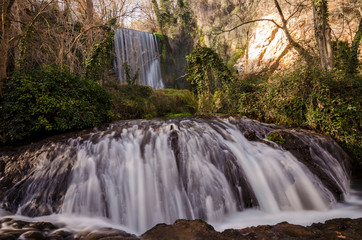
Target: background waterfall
[(140, 173), (140, 51)]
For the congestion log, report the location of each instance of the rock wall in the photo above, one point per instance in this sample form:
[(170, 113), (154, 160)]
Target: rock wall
[(263, 44)]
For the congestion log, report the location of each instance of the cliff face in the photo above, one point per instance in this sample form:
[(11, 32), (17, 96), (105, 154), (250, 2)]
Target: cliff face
[(263, 45)]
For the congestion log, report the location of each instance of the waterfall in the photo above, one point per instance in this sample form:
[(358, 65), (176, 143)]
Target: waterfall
[(140, 51), (143, 172)]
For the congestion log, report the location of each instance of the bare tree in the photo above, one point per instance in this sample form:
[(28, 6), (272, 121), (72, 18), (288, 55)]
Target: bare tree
[(297, 8), (5, 8)]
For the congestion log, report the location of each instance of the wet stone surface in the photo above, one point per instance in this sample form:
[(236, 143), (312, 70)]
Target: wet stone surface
[(186, 229)]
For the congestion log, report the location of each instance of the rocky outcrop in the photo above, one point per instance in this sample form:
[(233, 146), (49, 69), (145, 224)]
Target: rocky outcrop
[(12, 229), (17, 170), (182, 229), (263, 44), (312, 150)]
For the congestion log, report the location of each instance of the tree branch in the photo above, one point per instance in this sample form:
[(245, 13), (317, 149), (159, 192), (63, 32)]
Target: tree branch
[(251, 21)]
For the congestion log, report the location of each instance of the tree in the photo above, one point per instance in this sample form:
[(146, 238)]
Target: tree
[(353, 58), (323, 33), (284, 26), (304, 53), (5, 8)]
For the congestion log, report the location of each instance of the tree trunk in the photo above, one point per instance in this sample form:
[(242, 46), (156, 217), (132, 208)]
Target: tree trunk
[(90, 23), (4, 41), (323, 33), (353, 58), (17, 31), (304, 53)]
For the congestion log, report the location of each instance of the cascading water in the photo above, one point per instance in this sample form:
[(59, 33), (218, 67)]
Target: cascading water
[(140, 173), (140, 51)]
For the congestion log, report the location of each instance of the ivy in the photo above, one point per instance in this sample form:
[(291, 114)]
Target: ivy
[(100, 59), (131, 80), (208, 76), (207, 71)]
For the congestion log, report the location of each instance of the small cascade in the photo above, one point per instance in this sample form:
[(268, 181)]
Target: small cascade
[(144, 172), (140, 51)]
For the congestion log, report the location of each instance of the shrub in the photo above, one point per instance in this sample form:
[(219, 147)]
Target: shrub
[(50, 100), (172, 102), (328, 102), (140, 101), (129, 101), (207, 74)]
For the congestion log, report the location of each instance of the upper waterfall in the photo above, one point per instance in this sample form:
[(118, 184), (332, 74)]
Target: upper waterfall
[(140, 51)]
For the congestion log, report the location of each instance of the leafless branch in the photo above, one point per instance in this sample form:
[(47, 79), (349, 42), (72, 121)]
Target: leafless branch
[(248, 22)]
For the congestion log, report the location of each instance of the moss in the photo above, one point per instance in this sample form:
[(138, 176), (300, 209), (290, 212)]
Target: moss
[(140, 101), (159, 36), (178, 114), (234, 58)]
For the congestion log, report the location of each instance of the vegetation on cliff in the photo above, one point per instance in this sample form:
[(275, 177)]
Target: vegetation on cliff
[(302, 96)]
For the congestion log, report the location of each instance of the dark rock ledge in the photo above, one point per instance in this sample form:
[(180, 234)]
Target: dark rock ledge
[(185, 229)]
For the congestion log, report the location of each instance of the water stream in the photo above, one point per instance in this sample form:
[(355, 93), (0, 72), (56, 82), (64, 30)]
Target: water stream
[(136, 174), (140, 51)]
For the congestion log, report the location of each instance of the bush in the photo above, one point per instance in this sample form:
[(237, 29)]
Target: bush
[(328, 102), (170, 102), (207, 74), (140, 101), (48, 101)]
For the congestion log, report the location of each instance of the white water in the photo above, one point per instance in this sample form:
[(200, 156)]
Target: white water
[(137, 175), (140, 51), (352, 208)]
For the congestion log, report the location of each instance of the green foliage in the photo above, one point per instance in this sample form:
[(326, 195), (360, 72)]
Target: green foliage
[(345, 57), (139, 101), (234, 58), (206, 74), (100, 59), (206, 70), (341, 52), (131, 80), (174, 19), (50, 100), (274, 137), (174, 101), (159, 36), (178, 114), (328, 102), (25, 61)]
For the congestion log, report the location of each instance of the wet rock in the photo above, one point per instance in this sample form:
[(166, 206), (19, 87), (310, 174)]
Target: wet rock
[(18, 224), (251, 135), (105, 234), (42, 226), (60, 235), (197, 229), (19, 165), (33, 235), (5, 236), (313, 150), (12, 233), (182, 229)]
